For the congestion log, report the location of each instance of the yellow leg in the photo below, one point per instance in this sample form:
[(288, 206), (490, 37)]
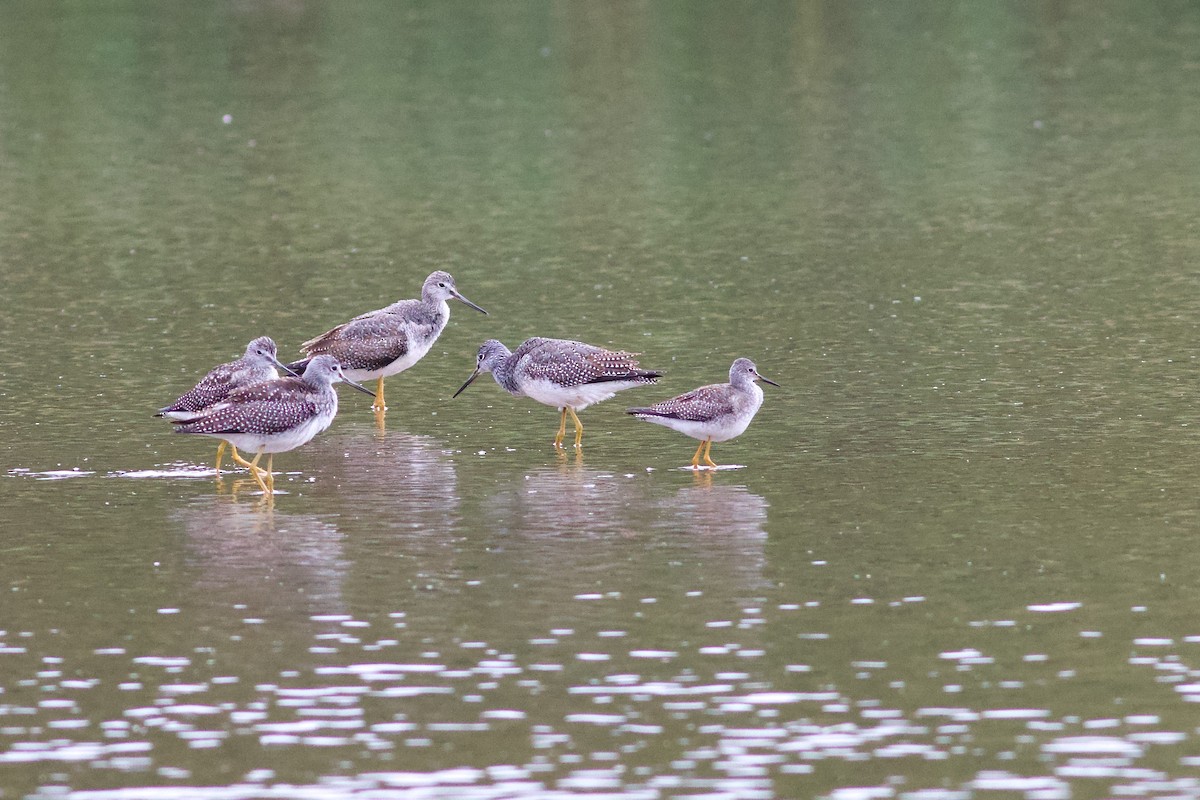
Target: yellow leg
[(378, 403), (262, 483), (247, 464), (220, 453), (708, 454), (578, 426), (696, 458), (257, 473), (271, 473), (562, 429)]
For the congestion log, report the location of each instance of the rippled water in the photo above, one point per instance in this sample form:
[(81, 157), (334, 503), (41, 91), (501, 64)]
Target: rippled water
[(951, 558), (633, 693), (629, 634)]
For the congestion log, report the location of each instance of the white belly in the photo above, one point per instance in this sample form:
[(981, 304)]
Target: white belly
[(721, 429), (416, 352), (280, 442), (577, 397)]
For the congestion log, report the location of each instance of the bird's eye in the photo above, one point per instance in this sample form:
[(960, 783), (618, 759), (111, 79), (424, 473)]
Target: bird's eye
[(442, 285)]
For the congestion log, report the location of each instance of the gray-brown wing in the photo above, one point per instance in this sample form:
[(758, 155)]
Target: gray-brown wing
[(570, 363), (264, 408), (698, 405), (216, 386), (369, 342), (211, 389)]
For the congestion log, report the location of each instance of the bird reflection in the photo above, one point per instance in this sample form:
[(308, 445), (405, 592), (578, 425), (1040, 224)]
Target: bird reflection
[(572, 499), (720, 509), (239, 487), (568, 500), (404, 472), (726, 524), (568, 529), (273, 562), (401, 489)]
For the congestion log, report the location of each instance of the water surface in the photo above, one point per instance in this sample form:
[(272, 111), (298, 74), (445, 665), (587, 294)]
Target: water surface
[(956, 560)]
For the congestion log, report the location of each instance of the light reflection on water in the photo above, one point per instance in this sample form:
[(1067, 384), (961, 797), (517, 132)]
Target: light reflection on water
[(367, 618), (570, 711)]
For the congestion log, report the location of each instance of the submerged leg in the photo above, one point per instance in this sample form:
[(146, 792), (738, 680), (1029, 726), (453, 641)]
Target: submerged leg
[(257, 473), (562, 428), (378, 403), (696, 458), (262, 484), (708, 454), (578, 426), (221, 452)]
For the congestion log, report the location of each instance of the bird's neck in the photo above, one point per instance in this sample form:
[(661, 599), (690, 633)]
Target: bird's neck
[(755, 393), (504, 375)]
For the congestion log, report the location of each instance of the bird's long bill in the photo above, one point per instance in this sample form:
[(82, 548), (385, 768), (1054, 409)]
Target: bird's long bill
[(465, 301), (358, 386), (470, 380), (768, 380), (285, 368)]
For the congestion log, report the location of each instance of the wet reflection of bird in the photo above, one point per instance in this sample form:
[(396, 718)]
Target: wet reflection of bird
[(727, 521), (573, 500), (402, 480), (256, 365), (400, 500), (288, 564), (273, 416), (568, 501), (567, 375), (392, 339), (714, 413), (623, 531)]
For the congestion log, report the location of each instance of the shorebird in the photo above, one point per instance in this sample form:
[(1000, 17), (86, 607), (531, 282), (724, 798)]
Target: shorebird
[(257, 364), (567, 375), (274, 416), (715, 413), (389, 340)]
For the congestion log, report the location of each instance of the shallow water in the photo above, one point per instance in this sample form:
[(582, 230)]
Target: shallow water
[(954, 558)]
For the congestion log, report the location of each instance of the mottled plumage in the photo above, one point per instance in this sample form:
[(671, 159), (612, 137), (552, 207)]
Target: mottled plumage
[(257, 364), (392, 339), (565, 374), (274, 416), (714, 413)]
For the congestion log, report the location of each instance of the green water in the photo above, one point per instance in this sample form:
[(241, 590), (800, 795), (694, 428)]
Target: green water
[(958, 558)]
